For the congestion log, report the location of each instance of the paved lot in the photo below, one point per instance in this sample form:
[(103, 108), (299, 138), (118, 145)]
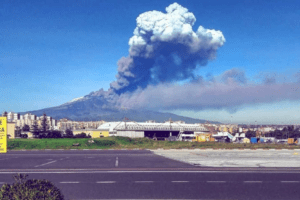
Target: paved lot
[(235, 158)]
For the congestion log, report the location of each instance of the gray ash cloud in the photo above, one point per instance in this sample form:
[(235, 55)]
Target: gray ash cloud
[(165, 49)]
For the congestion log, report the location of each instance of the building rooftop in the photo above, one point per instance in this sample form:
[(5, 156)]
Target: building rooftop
[(113, 126)]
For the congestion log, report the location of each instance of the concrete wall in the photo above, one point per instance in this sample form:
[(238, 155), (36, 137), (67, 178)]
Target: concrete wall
[(131, 134), (11, 130)]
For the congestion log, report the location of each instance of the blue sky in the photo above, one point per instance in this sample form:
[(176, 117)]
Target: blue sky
[(54, 51)]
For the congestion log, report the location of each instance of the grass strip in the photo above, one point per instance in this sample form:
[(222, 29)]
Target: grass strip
[(130, 143)]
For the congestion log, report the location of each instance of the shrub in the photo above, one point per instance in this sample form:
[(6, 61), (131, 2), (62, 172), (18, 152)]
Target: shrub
[(24, 136), (42, 135), (15, 144), (31, 189), (54, 134), (82, 135), (69, 134)]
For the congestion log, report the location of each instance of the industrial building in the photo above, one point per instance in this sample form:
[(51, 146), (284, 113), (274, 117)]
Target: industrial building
[(151, 129)]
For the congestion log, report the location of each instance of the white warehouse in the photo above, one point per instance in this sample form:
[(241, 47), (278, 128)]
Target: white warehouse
[(151, 129)]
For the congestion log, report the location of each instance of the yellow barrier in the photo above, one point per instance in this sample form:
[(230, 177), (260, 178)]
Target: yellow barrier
[(3, 135)]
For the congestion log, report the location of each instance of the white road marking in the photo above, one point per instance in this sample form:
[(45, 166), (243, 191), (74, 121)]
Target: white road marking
[(45, 163), (70, 182), (252, 181), (290, 181), (105, 181), (180, 181), (117, 162), (143, 181), (7, 158), (216, 181), (4, 158)]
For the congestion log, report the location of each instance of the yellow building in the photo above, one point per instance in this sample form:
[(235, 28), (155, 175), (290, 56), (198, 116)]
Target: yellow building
[(95, 133), (203, 138), (246, 140), (11, 130)]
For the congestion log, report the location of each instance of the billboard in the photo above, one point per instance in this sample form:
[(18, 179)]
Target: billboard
[(3, 135)]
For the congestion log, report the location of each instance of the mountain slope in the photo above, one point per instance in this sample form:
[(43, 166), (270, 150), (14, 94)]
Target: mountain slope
[(94, 108)]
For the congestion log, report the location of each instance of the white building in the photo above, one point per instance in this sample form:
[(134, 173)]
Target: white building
[(13, 117), (151, 130)]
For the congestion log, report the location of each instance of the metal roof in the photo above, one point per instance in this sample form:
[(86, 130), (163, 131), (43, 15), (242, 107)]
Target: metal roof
[(142, 126)]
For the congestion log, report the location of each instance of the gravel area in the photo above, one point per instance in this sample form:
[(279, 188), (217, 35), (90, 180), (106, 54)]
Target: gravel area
[(234, 158)]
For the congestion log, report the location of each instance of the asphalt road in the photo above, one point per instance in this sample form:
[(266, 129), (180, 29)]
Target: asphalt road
[(144, 175), (173, 185), (86, 159)]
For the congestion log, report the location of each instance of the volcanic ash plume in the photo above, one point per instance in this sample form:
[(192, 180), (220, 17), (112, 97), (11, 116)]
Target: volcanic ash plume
[(165, 49)]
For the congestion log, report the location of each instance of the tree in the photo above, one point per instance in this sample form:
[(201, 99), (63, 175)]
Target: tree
[(34, 128), (17, 131), (69, 134), (82, 135), (26, 127), (250, 134), (4, 114), (44, 124)]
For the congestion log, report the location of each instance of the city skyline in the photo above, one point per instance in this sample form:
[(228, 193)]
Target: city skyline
[(54, 52)]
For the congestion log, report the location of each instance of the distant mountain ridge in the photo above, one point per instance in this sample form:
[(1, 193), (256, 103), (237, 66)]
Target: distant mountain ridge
[(96, 107)]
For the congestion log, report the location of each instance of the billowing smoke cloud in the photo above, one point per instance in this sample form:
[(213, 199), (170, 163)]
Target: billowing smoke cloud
[(228, 93), (165, 49)]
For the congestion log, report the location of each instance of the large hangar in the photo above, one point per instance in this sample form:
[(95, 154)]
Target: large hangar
[(151, 129)]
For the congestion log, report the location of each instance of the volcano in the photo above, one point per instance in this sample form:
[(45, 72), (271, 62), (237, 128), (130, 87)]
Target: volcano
[(95, 108)]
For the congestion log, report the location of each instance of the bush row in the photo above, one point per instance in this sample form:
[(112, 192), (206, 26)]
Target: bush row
[(57, 134)]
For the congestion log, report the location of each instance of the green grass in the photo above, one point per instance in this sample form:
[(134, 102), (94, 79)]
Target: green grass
[(65, 143), (130, 143)]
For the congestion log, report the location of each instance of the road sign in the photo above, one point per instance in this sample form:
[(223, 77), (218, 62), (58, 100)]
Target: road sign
[(3, 135)]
